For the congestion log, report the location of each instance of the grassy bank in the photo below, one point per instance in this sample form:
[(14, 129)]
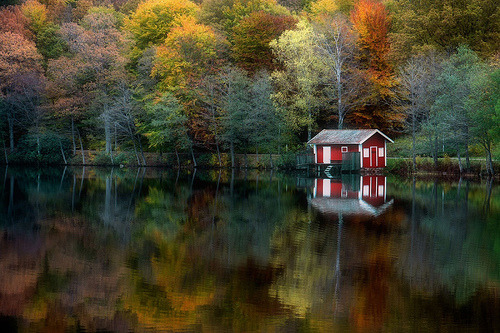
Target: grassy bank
[(168, 160), (446, 166)]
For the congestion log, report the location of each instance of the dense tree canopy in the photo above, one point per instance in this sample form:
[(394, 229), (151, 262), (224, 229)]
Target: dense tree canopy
[(247, 73)]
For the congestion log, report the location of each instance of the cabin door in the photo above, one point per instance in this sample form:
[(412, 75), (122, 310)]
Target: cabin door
[(373, 157), (327, 155)]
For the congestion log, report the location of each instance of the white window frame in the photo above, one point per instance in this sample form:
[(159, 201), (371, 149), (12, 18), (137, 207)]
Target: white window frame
[(381, 152), (381, 190), (366, 190), (366, 152), (344, 149)]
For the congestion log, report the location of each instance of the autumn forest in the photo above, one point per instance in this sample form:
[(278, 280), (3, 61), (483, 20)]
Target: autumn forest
[(124, 79)]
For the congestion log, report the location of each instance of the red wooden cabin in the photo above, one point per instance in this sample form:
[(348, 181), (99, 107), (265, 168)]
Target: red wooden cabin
[(332, 196), (329, 146)]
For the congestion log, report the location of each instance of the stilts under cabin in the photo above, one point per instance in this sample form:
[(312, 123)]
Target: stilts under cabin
[(350, 150)]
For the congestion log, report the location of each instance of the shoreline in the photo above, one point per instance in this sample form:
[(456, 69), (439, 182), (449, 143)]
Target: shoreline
[(446, 167)]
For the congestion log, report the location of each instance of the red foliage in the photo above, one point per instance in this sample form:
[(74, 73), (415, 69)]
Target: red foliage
[(12, 20)]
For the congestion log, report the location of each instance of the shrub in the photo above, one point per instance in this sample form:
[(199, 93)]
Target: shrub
[(287, 161), (101, 158), (399, 166), (50, 149)]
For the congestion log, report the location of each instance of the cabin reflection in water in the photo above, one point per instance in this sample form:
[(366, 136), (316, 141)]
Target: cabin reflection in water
[(351, 195)]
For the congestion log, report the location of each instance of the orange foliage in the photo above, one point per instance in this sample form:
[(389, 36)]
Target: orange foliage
[(372, 22), (13, 20), (187, 52)]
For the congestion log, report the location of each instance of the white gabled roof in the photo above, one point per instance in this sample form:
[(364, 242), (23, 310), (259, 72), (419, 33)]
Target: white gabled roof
[(355, 137)]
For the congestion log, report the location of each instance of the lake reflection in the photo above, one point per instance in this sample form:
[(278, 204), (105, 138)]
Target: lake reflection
[(152, 250)]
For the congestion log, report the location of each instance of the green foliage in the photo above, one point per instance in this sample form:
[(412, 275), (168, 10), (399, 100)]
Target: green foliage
[(444, 25), (166, 126), (226, 14), (50, 43), (252, 36), (398, 166), (287, 161), (50, 149), (118, 158), (299, 83)]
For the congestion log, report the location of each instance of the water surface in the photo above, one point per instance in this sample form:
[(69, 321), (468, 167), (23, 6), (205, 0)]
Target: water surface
[(153, 250)]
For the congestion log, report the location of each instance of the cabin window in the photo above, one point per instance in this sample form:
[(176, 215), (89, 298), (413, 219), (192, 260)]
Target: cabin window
[(381, 190), (381, 152), (366, 190), (366, 152), (344, 149)]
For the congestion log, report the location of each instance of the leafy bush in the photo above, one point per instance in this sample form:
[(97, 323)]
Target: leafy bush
[(50, 149), (398, 166), (287, 161), (101, 158)]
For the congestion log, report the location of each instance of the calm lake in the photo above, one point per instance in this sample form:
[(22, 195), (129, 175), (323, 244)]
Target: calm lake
[(154, 250)]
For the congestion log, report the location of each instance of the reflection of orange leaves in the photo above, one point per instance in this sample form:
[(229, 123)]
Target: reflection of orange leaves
[(370, 309)]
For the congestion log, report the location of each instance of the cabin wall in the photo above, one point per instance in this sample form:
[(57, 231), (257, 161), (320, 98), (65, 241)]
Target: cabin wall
[(333, 188), (374, 152), (336, 152), (373, 190)]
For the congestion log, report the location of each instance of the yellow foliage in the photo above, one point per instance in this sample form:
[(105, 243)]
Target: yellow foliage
[(36, 14), (152, 21), (186, 53), (324, 7)]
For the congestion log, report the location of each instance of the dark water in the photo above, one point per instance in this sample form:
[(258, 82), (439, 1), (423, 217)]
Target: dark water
[(150, 250)]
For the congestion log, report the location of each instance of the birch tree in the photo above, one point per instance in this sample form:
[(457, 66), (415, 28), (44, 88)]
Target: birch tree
[(336, 45)]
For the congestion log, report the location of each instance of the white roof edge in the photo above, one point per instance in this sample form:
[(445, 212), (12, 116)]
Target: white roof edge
[(324, 129), (376, 131)]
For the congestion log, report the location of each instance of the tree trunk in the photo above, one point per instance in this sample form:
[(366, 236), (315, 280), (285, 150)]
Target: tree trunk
[(194, 158), (136, 153), (81, 146), (246, 160), (435, 151), (309, 126), (141, 150), (271, 160), (73, 134), (62, 152), (491, 172), (231, 148), (116, 139), (5, 153), (413, 155), (11, 133), (218, 154), (257, 157), (38, 150), (107, 132), (178, 160), (459, 161), (467, 157)]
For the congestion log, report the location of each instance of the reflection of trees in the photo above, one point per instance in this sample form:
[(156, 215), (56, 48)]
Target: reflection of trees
[(217, 253), (214, 267), (454, 240)]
